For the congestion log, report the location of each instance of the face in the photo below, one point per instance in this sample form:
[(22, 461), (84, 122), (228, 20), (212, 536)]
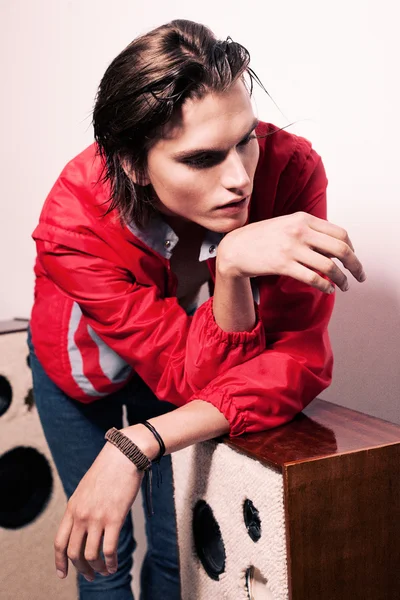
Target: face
[(205, 163)]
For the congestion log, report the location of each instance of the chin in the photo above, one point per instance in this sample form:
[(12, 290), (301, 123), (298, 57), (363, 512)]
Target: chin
[(228, 224)]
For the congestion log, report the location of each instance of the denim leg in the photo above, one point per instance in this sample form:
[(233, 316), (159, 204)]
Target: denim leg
[(160, 578), (75, 435)]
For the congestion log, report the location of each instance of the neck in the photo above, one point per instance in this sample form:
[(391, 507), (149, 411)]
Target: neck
[(184, 228)]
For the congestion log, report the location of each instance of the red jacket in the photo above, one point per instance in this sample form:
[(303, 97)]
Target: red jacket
[(105, 302)]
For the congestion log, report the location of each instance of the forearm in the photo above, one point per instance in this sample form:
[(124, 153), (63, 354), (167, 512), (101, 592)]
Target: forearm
[(233, 304), (195, 422)]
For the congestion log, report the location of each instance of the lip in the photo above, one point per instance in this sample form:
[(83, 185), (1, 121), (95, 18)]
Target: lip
[(234, 207)]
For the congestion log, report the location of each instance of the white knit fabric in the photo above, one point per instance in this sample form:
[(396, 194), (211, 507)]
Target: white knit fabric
[(27, 555), (225, 478)]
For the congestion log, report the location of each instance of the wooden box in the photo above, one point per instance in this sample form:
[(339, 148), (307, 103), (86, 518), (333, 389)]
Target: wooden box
[(307, 511)]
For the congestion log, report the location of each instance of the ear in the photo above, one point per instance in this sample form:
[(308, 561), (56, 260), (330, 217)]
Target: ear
[(132, 174)]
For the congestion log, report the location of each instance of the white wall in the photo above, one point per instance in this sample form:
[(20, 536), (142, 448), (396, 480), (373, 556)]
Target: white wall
[(334, 66)]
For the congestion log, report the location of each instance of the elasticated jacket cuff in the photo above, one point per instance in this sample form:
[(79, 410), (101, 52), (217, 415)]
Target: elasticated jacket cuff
[(224, 403), (215, 334)]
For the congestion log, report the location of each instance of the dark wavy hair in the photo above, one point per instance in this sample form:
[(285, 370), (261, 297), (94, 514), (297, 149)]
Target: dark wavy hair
[(143, 88)]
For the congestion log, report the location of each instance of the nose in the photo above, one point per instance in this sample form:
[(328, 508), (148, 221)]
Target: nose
[(235, 176)]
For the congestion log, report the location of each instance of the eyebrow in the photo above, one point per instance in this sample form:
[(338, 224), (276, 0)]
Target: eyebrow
[(196, 151)]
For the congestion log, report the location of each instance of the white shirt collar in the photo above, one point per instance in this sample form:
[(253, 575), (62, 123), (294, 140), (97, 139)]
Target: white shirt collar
[(159, 236)]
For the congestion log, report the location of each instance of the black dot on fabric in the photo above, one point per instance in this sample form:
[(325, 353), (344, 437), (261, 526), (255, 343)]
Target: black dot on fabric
[(5, 394), (26, 484), (252, 520), (29, 399), (208, 540)]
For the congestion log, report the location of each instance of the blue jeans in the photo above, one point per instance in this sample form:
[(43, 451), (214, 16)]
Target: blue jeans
[(75, 435)]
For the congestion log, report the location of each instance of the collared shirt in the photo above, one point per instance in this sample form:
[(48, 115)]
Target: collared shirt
[(159, 236)]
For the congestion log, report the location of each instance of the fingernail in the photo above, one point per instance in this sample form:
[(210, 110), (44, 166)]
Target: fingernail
[(60, 574), (112, 571), (331, 289), (346, 287), (90, 579), (363, 276)]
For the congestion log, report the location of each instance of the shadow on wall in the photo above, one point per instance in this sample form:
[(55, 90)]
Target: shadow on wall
[(365, 336)]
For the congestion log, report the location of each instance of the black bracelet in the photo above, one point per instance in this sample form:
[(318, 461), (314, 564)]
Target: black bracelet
[(158, 438)]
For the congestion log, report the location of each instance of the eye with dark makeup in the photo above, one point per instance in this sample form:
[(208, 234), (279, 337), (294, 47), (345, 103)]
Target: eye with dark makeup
[(210, 160)]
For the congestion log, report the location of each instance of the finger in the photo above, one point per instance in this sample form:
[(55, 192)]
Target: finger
[(306, 275), (76, 552), (325, 266), (110, 543), (330, 229), (331, 246), (92, 550), (61, 544)]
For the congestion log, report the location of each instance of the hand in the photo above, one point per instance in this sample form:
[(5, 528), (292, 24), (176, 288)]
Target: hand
[(296, 245), (97, 508)]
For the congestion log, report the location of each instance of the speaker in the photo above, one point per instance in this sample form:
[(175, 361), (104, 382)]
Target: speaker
[(306, 511), (32, 501)]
